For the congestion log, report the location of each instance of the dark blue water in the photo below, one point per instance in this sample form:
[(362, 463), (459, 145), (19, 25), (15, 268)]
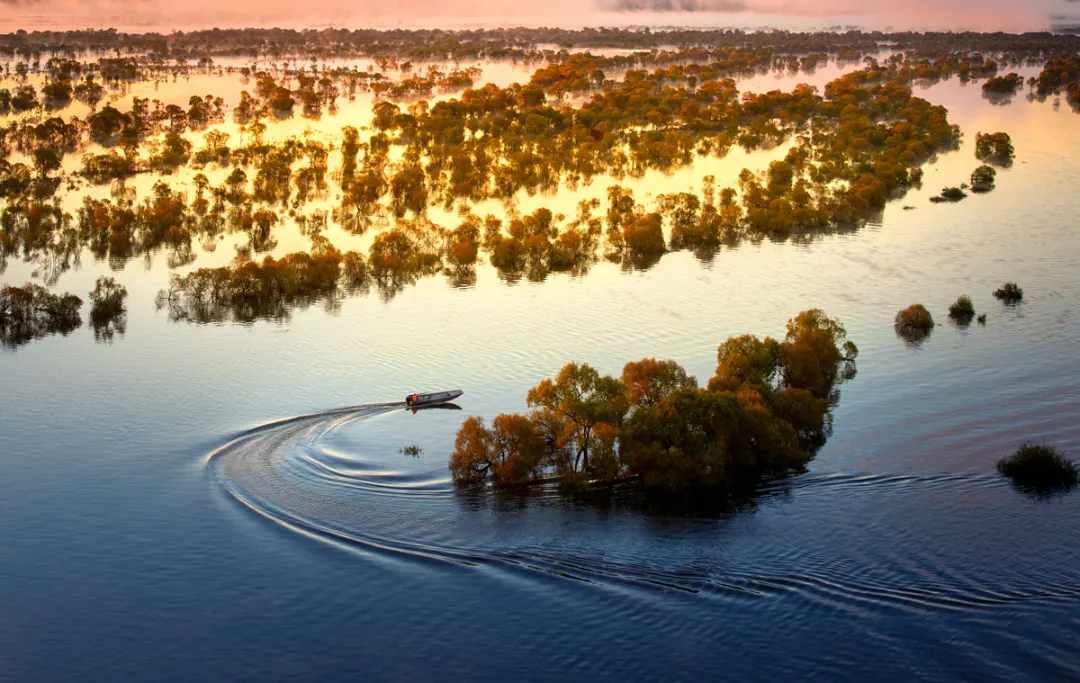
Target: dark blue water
[(164, 517)]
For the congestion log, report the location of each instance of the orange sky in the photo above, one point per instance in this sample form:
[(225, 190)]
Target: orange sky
[(1008, 15)]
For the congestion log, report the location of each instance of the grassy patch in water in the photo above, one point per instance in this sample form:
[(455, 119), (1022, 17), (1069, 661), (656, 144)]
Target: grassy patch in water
[(962, 309), (1039, 468), (915, 317), (914, 324), (1010, 293)]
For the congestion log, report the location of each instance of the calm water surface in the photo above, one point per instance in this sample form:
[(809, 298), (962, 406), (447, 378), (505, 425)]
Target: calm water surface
[(165, 515)]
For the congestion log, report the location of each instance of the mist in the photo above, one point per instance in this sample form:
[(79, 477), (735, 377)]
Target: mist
[(158, 15)]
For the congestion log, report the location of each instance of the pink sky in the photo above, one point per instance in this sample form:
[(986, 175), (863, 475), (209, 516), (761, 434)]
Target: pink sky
[(1007, 15)]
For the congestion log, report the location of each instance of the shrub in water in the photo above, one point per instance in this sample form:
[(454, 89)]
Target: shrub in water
[(914, 324), (914, 317), (982, 179), (949, 194), (1010, 293), (1040, 468), (107, 299), (962, 308)]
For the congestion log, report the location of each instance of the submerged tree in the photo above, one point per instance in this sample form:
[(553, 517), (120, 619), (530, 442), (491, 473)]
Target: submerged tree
[(108, 310), (982, 178), (995, 148), (962, 310), (914, 324), (31, 312), (765, 412), (1040, 469), (1010, 293)]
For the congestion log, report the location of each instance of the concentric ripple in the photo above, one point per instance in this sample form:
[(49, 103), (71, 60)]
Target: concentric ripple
[(821, 538)]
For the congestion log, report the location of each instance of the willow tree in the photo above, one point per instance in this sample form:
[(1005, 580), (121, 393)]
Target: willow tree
[(569, 407)]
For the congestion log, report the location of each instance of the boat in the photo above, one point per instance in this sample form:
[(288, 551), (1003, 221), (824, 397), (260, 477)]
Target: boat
[(418, 400)]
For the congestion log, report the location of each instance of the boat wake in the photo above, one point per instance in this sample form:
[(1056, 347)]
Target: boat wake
[(814, 537)]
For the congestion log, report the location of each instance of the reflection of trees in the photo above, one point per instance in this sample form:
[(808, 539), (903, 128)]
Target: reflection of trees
[(106, 331), (913, 336), (854, 146), (31, 312), (249, 290)]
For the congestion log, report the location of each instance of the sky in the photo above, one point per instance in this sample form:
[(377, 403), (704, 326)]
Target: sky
[(167, 15)]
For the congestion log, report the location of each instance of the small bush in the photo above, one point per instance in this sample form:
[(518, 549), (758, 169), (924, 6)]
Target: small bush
[(996, 148), (1040, 468), (982, 179), (962, 308), (107, 300), (949, 194), (914, 317), (1010, 293)]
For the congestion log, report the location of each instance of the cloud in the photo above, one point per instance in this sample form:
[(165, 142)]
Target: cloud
[(167, 15), (674, 6)]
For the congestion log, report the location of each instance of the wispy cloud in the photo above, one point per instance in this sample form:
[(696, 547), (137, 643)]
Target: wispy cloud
[(1008, 15)]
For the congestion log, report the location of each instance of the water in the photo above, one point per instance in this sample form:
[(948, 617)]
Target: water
[(164, 517)]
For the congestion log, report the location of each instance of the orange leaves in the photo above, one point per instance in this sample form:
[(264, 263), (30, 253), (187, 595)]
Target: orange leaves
[(649, 381)]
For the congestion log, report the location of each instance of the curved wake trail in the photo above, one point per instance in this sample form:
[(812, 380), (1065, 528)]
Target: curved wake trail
[(283, 472)]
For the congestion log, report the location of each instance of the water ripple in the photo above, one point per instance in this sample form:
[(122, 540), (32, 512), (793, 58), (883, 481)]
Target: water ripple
[(282, 471)]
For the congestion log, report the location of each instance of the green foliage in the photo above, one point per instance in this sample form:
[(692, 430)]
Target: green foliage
[(247, 290), (914, 324), (107, 300), (1039, 468), (914, 317), (108, 313), (1010, 293), (949, 194), (962, 309)]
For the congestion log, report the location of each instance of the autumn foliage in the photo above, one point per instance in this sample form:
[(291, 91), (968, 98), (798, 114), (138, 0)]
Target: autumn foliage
[(764, 412)]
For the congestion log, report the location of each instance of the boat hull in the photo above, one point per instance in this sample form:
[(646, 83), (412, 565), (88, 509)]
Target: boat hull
[(430, 399)]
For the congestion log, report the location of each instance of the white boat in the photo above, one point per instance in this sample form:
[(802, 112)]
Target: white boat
[(418, 400)]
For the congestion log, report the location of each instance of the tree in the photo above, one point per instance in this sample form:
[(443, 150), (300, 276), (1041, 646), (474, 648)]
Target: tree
[(572, 404), (982, 178), (107, 300), (683, 441), (108, 313), (649, 381), (996, 148), (46, 160), (812, 353), (511, 452), (408, 190), (31, 312), (914, 324), (746, 362), (962, 310)]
